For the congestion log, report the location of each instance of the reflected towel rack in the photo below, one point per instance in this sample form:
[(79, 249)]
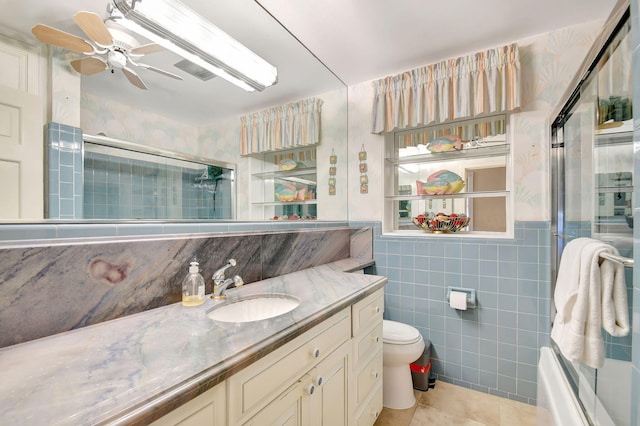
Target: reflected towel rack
[(625, 261)]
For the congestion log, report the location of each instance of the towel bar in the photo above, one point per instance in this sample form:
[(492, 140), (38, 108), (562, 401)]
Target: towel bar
[(618, 259)]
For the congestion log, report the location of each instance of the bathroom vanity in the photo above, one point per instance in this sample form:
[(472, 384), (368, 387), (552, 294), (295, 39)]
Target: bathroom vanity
[(307, 381), (320, 363)]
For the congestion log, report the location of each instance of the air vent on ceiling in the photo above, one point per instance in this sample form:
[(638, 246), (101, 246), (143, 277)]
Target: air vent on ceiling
[(195, 70)]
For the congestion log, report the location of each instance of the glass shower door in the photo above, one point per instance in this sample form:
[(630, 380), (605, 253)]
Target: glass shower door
[(593, 186)]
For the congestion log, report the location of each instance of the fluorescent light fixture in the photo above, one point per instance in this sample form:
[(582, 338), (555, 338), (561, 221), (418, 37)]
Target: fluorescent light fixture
[(176, 27)]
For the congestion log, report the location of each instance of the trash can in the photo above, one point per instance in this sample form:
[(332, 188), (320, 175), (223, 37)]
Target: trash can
[(421, 370)]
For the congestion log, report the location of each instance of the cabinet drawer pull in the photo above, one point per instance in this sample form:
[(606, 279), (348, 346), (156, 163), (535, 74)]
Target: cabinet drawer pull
[(376, 309), (318, 381), (375, 414), (375, 374), (376, 339), (311, 390), (315, 353)]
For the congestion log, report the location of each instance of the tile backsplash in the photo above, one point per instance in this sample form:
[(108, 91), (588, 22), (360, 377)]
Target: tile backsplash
[(52, 286)]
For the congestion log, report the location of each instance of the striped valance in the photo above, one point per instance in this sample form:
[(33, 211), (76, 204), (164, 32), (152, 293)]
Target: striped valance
[(287, 126), (486, 82)]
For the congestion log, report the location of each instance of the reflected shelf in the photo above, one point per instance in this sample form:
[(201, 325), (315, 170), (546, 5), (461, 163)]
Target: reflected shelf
[(286, 203), (283, 174), (613, 189), (608, 139), (480, 194)]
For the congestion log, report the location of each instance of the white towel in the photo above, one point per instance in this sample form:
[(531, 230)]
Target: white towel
[(615, 312), (579, 301)]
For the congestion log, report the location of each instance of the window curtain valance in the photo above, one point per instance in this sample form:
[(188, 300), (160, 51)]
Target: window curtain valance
[(286, 126), (486, 82)]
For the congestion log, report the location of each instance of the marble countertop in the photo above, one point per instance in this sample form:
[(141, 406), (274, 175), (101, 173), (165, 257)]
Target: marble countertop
[(135, 369)]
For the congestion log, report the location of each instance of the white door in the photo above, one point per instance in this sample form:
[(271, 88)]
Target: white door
[(21, 155)]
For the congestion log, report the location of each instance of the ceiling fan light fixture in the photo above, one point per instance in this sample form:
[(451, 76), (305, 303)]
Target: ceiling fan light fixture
[(176, 27)]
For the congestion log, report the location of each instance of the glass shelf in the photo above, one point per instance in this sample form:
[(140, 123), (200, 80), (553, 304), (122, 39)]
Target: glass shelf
[(495, 149)]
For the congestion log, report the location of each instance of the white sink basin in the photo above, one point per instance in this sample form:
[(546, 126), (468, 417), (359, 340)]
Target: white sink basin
[(254, 309)]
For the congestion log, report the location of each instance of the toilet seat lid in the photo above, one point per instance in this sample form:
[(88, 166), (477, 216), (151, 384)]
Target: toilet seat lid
[(398, 333)]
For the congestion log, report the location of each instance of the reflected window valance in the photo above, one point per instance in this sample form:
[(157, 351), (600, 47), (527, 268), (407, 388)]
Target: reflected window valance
[(486, 82), (282, 127)]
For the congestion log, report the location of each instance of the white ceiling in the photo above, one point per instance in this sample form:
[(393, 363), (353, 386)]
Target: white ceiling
[(358, 40), (362, 40)]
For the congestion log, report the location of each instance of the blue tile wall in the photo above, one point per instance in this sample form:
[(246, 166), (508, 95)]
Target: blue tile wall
[(64, 184), (114, 186), (493, 348)]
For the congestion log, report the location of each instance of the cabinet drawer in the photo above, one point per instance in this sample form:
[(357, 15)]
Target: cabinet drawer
[(254, 386), (372, 410), (368, 377), (368, 311), (365, 346)]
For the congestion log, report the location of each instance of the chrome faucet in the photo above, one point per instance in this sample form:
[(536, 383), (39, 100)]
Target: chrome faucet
[(220, 284)]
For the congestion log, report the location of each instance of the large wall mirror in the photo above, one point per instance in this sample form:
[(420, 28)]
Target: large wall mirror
[(195, 116)]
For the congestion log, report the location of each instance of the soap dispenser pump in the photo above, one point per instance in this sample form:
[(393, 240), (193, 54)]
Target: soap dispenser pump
[(193, 287)]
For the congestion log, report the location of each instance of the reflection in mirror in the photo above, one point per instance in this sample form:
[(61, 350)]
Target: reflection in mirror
[(190, 116), (122, 183)]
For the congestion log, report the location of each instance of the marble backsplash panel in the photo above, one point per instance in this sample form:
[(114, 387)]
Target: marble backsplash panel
[(48, 289)]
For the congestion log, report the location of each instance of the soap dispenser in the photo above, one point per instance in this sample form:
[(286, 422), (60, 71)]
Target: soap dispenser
[(193, 287)]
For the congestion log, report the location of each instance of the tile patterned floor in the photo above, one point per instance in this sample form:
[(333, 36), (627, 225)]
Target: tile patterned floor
[(449, 404)]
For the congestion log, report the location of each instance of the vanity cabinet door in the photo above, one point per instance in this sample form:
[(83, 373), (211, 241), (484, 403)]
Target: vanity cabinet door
[(329, 406), (319, 398), (286, 410), (208, 409), (366, 389), (253, 388)]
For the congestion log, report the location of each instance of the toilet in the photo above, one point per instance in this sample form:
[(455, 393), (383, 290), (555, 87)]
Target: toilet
[(402, 345)]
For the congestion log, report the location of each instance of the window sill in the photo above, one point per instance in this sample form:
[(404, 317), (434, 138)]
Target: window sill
[(462, 234)]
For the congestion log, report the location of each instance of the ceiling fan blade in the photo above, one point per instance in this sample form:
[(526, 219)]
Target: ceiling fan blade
[(89, 66), (62, 39), (92, 25), (159, 71), (147, 49), (133, 78)]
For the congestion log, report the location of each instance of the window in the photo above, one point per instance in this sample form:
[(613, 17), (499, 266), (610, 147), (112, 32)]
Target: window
[(456, 170)]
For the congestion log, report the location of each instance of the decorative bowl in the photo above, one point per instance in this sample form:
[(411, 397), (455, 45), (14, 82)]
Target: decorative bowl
[(441, 224)]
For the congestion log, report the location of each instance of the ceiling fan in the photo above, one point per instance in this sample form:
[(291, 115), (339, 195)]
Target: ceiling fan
[(109, 48)]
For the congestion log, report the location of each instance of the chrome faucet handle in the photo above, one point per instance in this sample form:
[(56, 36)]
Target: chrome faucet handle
[(221, 287), (219, 274), (237, 281)]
